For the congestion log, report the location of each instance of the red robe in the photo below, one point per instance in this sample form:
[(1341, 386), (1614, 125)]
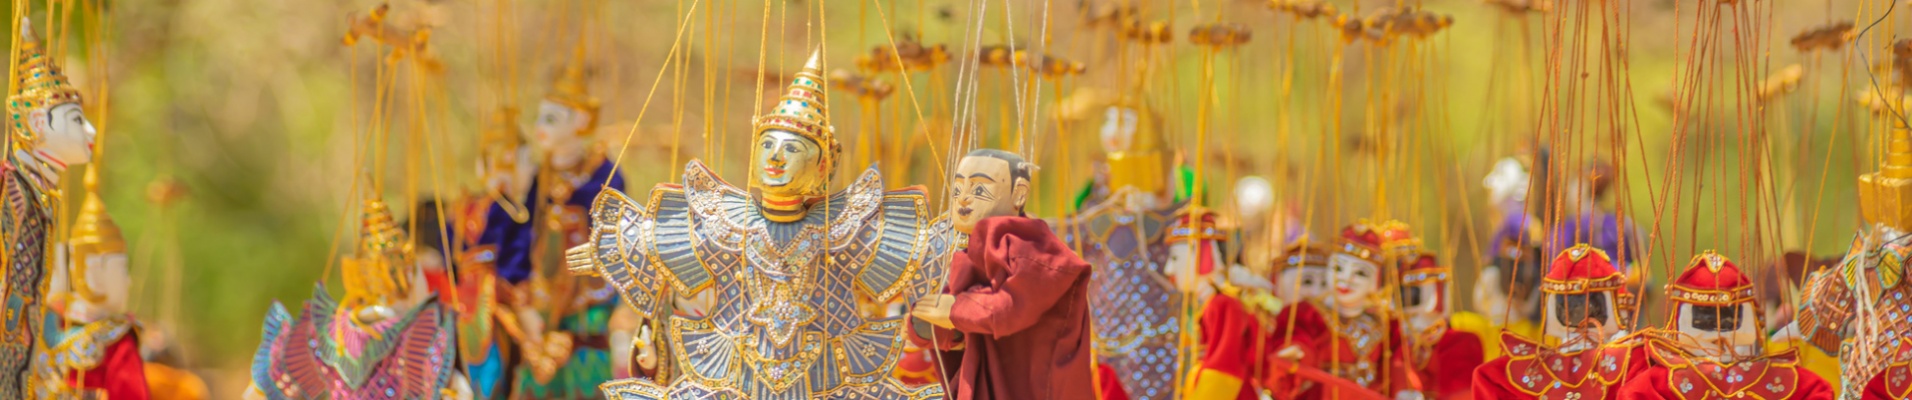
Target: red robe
[(1022, 310), (1675, 376), (1107, 385), (1446, 365), (1342, 350), (1529, 371), (1233, 344)]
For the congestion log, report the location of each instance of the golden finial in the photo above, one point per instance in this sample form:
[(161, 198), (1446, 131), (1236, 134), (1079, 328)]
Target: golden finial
[(39, 86), (1885, 197), (93, 230), (571, 91)]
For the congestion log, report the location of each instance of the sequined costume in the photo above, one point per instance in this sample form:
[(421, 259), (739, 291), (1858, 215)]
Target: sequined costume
[(1138, 313), (1862, 309), (327, 354), (96, 360), (786, 324), (31, 195)]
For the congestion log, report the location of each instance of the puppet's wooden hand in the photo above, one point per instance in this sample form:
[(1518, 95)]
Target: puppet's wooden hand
[(934, 309)]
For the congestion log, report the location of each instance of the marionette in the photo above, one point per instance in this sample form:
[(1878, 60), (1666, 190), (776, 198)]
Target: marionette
[(791, 262), (1016, 310), (1234, 326), (1858, 310), (93, 342), (1508, 293), (49, 133), (1714, 350), (1442, 346), (1586, 352), (1576, 199), (387, 338), (1349, 335)]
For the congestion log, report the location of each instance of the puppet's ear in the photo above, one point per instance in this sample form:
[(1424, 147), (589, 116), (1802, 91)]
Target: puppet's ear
[(1021, 192), (39, 122)]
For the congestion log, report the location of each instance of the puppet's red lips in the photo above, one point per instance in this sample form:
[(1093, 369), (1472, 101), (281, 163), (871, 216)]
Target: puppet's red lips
[(774, 171), (1343, 290)]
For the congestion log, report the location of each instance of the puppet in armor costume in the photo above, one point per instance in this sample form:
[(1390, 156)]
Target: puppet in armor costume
[(787, 260)]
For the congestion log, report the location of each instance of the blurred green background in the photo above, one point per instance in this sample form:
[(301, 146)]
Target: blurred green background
[(249, 106)]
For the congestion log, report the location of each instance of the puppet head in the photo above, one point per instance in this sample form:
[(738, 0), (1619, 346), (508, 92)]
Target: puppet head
[(1302, 273), (45, 110), (988, 183), (1195, 253), (1717, 314), (567, 116), (795, 149), (1423, 291), (1356, 269), (1582, 291)]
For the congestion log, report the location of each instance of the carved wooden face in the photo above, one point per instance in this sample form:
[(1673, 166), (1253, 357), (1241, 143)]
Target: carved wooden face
[(562, 133), (1716, 330), (983, 187), (1302, 283), (1353, 280), (66, 136), (1422, 300), (105, 279), (788, 163)]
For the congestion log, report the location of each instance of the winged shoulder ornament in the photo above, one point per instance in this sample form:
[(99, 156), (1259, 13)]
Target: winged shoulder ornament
[(786, 322)]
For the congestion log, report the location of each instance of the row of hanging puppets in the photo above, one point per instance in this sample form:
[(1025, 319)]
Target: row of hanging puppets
[(553, 283)]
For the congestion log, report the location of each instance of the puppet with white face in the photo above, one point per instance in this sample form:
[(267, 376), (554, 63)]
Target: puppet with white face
[(1348, 343), (1195, 260), (1302, 274), (1444, 346)]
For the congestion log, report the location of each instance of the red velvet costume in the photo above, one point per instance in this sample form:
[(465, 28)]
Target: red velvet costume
[(1363, 349), (1233, 329), (1711, 280), (1533, 370), (1022, 311), (1445, 354)]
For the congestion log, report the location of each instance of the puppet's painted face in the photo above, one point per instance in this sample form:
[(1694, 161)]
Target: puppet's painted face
[(1302, 283), (1422, 299), (1352, 279), (1717, 331), (787, 163), (983, 187), (562, 133), (105, 279), (1591, 315), (67, 136), (1118, 129), (1191, 269)]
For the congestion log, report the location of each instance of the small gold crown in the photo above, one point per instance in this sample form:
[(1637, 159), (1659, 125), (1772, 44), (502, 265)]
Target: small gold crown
[(802, 111), (571, 91), (40, 85), (1885, 197)]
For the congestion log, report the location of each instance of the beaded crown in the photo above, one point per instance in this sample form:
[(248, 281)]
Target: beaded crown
[(802, 111), (39, 85)]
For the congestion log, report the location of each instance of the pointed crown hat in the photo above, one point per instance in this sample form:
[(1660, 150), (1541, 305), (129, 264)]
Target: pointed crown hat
[(38, 85), (802, 111)]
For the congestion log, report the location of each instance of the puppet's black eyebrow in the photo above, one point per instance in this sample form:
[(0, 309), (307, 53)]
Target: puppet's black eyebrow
[(981, 176)]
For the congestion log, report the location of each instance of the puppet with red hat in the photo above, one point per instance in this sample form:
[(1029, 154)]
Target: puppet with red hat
[(1234, 326), (1714, 349), (1442, 346), (1349, 336), (1586, 353)]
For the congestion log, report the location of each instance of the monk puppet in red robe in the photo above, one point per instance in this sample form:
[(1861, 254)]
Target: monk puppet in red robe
[(1585, 354), (1713, 350), (1443, 347), (1347, 337), (1014, 318)]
